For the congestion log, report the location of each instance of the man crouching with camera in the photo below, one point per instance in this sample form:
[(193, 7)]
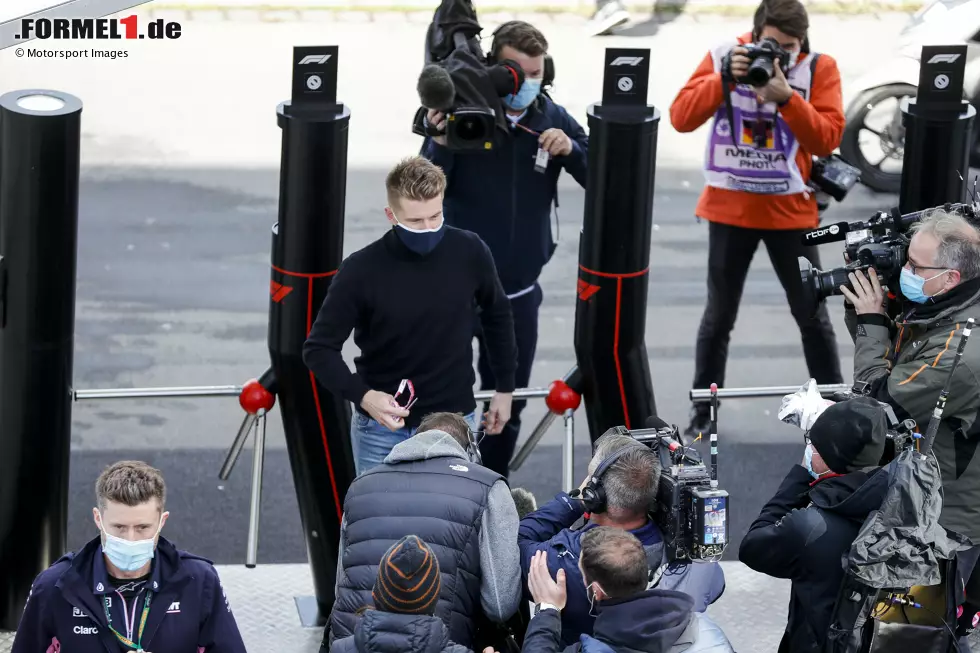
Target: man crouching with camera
[(816, 514), (906, 361)]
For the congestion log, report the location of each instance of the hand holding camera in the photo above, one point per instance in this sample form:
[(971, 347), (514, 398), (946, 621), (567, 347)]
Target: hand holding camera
[(437, 120), (867, 295), (761, 66)]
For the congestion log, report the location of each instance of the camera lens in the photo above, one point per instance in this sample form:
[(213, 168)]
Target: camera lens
[(760, 71), (470, 129)]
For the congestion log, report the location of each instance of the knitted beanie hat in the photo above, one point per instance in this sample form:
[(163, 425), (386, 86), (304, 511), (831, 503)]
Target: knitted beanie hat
[(408, 578)]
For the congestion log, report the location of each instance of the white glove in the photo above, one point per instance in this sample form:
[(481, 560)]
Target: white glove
[(803, 407)]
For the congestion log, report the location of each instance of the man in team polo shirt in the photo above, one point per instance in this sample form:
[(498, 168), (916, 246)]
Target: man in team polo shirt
[(129, 589)]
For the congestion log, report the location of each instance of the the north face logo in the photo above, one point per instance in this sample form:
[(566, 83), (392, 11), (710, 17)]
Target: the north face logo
[(459, 468)]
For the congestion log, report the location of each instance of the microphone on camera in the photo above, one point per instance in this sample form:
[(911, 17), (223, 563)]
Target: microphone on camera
[(436, 88), (506, 77), (830, 234)]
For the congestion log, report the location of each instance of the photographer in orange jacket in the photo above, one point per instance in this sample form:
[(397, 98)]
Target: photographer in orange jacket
[(773, 104)]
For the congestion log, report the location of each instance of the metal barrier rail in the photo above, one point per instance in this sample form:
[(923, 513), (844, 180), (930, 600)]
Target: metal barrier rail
[(257, 422), (765, 391), (235, 390)]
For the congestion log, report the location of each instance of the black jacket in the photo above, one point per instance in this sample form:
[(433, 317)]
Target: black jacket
[(654, 621), (388, 632), (802, 534)]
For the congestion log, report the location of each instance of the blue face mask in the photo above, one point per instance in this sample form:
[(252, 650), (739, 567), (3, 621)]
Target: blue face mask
[(525, 96), (420, 241), (808, 460), (126, 555), (911, 285)]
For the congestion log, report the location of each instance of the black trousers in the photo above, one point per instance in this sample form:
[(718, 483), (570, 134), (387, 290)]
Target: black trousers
[(730, 252), (497, 450)]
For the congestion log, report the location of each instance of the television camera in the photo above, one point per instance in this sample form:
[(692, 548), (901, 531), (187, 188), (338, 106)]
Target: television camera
[(464, 83), (901, 434), (881, 242), (691, 510)]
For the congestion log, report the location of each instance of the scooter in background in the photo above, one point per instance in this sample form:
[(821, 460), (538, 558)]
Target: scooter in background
[(874, 138)]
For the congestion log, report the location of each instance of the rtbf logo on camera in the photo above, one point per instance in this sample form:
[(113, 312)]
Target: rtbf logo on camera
[(97, 28)]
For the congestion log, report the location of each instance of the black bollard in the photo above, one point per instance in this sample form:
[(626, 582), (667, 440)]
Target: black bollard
[(938, 128), (614, 249), (40, 139), (307, 248)]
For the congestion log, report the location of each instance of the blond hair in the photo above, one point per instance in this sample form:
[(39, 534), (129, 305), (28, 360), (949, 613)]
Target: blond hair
[(131, 483), (959, 242), (415, 178)]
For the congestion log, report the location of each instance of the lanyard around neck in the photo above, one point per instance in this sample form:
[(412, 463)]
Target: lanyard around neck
[(138, 644)]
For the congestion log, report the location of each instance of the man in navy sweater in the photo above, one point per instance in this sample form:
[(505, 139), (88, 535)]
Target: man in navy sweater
[(504, 198), (409, 298)]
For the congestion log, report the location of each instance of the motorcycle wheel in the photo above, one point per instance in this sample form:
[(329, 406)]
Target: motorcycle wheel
[(892, 138)]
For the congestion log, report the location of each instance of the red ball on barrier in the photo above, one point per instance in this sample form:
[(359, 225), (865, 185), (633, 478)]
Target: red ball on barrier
[(561, 398), (254, 397)]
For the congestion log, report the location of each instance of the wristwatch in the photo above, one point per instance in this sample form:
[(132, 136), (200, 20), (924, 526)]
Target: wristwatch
[(538, 607)]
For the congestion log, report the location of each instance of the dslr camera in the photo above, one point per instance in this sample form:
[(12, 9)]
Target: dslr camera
[(901, 435), (763, 56), (832, 178), (691, 511), (881, 242)]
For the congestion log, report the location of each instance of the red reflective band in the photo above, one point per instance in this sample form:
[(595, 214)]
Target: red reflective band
[(615, 275), (319, 409), (619, 300), (305, 275)]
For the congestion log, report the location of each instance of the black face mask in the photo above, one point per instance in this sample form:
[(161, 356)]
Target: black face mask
[(420, 241)]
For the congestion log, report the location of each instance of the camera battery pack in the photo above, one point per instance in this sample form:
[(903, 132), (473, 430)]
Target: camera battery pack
[(710, 515), (541, 160)]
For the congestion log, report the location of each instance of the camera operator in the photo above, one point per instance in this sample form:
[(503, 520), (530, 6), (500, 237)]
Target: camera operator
[(631, 617), (629, 483), (906, 361), (502, 196), (759, 189), (817, 513)]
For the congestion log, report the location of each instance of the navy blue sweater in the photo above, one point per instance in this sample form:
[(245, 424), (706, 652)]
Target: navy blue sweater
[(498, 194)]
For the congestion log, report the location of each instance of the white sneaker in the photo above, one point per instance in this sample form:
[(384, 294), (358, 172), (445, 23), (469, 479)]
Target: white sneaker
[(608, 17)]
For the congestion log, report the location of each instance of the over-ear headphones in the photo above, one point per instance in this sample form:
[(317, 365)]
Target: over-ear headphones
[(548, 75), (593, 494)]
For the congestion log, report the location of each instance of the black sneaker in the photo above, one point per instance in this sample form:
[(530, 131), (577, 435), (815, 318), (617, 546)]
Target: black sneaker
[(607, 18), (700, 425)]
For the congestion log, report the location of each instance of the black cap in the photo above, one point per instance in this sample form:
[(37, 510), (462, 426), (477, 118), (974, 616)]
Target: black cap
[(850, 435)]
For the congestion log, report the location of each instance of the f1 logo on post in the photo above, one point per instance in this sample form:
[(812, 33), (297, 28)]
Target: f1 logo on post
[(943, 58), (314, 58), (626, 61)]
